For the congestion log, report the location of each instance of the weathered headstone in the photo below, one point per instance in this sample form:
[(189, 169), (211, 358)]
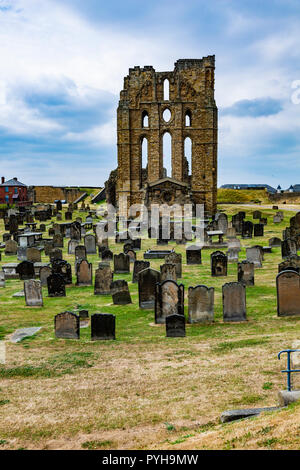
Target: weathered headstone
[(121, 263), (45, 272), (175, 326), (258, 230), (218, 264), (63, 268), (247, 229), (90, 244), (246, 273), (84, 273), (175, 258), (288, 247), (103, 279), (11, 247), (193, 255), (169, 300), (254, 255), (288, 293), (147, 280), (201, 304), (234, 302), (33, 293), (120, 292), (33, 255), (139, 265), (25, 270), (72, 246), (103, 326), (67, 325), (168, 272), (2, 279), (56, 286), (275, 241)]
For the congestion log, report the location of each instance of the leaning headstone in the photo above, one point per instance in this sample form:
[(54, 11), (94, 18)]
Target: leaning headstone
[(139, 265), (175, 326), (218, 264), (147, 280), (121, 263), (120, 292), (168, 272), (33, 293), (234, 302), (67, 325), (103, 279), (169, 300), (288, 293), (56, 286), (84, 273), (22, 333), (246, 273), (201, 304), (103, 326), (25, 270), (193, 255)]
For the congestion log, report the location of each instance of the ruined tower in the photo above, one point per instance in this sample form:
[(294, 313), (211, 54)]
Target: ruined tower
[(177, 105)]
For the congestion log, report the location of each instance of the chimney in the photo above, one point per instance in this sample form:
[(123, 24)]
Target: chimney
[(2, 179), (15, 178)]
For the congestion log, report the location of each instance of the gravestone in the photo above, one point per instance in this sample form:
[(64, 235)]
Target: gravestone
[(233, 255), (169, 300), (55, 254), (175, 258), (234, 302), (45, 272), (84, 273), (288, 293), (22, 253), (147, 280), (200, 304), (58, 240), (288, 247), (246, 273), (218, 264), (25, 270), (254, 255), (139, 265), (132, 255), (11, 247), (291, 263), (231, 232), (80, 253), (168, 272), (68, 215), (175, 326), (63, 268), (258, 230), (75, 231), (90, 244), (247, 229), (56, 286), (33, 293), (106, 255), (120, 292), (121, 263), (257, 215), (67, 325), (222, 222), (103, 326), (275, 241), (193, 255), (33, 255), (103, 279), (72, 246)]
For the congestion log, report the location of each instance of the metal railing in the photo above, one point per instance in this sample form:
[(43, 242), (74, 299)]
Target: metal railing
[(288, 370)]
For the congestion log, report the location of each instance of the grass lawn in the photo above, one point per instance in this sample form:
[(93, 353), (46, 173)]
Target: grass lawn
[(146, 391)]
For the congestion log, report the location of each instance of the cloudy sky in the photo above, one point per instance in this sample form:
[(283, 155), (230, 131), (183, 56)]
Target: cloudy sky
[(63, 63)]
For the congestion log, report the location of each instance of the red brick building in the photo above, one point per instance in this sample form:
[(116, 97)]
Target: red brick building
[(12, 191)]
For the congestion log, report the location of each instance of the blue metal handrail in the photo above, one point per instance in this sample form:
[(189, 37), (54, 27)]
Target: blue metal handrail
[(288, 370)]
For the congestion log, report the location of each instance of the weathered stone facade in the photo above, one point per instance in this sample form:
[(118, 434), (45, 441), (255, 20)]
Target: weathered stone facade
[(193, 114)]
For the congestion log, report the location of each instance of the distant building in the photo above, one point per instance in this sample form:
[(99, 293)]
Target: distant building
[(250, 186), (12, 191)]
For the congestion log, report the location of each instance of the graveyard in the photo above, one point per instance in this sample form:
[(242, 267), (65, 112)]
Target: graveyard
[(140, 382)]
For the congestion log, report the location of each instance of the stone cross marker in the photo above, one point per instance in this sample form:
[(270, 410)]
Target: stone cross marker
[(67, 325), (234, 302), (103, 326), (201, 304)]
